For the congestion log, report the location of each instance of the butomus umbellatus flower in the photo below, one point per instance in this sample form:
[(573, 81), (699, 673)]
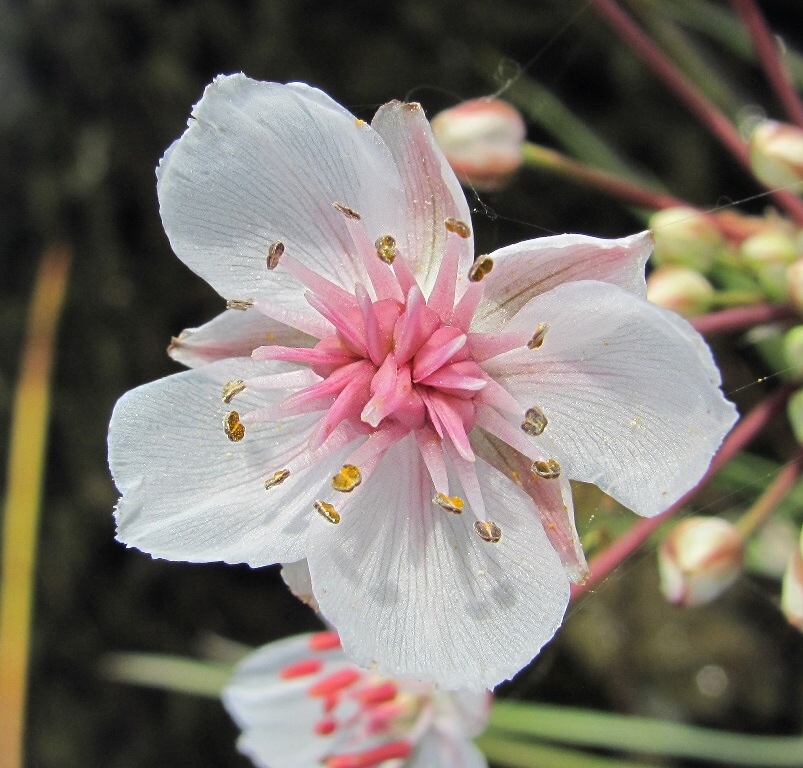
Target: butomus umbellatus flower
[(301, 703), (377, 402)]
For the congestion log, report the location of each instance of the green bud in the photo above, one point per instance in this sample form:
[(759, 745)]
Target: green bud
[(776, 154), (685, 237), (680, 289)]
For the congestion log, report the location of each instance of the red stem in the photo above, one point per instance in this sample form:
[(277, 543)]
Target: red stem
[(766, 49), (706, 112), (742, 318), (748, 427)]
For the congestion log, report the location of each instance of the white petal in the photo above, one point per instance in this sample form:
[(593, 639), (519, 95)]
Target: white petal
[(533, 267), (414, 592), (630, 391), (431, 189), (188, 493), (437, 750), (262, 162), (552, 500), (233, 333), (296, 576), (277, 716)]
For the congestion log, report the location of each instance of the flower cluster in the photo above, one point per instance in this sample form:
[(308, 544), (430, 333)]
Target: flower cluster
[(302, 702), (395, 417)]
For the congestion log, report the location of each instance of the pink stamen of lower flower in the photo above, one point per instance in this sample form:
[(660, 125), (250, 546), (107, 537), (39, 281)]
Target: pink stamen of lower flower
[(350, 332), (417, 324), (325, 726), (335, 682), (301, 669), (318, 284), (467, 306), (378, 693), (324, 641), (325, 353), (441, 347), (467, 475), (500, 427), (371, 758), (406, 278), (455, 417)]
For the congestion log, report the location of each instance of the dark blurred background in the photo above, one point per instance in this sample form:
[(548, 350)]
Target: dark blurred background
[(91, 94)]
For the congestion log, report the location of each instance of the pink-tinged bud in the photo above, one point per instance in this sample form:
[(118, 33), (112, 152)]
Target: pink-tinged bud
[(699, 559), (685, 237), (792, 590), (482, 140), (680, 289), (776, 154), (793, 354), (794, 283)]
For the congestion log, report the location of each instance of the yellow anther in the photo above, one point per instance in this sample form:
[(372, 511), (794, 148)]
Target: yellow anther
[(359, 123), (453, 504), (488, 531), (277, 478), (534, 421), (386, 248), (326, 511), (349, 213), (457, 226), (538, 336), (481, 267), (549, 469), (241, 304), (233, 427), (232, 388), (275, 251), (347, 479)]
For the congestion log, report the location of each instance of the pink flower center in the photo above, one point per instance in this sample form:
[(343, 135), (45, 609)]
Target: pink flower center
[(391, 361)]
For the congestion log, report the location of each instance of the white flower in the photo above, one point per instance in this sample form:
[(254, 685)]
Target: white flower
[(395, 383), (301, 703)]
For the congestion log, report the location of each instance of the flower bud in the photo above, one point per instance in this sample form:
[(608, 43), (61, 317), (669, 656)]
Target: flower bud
[(794, 412), (482, 140), (776, 154), (793, 351), (699, 559), (685, 237), (792, 590), (680, 289), (768, 254), (794, 283)]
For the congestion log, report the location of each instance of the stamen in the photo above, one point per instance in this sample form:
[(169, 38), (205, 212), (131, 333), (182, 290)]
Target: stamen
[(466, 472), (301, 669), (429, 446), (458, 226), (325, 726), (534, 421), (497, 425), (371, 758), (488, 531), (467, 306), (549, 469), (481, 267), (347, 479), (241, 304), (378, 693), (485, 346), (324, 641), (441, 297), (386, 248), (232, 388), (335, 682), (346, 211), (538, 337), (275, 251), (453, 504), (277, 478), (234, 430), (326, 511)]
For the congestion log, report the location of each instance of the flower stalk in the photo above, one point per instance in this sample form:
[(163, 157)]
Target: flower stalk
[(698, 104), (766, 49), (738, 319)]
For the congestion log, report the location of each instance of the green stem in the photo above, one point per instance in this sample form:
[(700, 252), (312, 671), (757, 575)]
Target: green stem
[(502, 750), (640, 735)]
